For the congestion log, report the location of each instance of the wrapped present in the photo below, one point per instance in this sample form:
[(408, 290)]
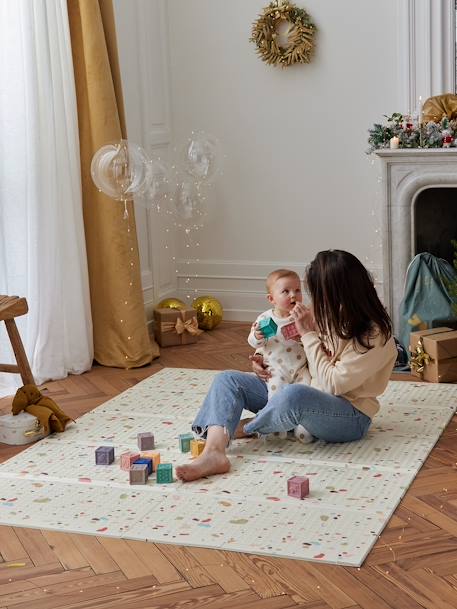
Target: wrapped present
[(173, 327), (434, 355)]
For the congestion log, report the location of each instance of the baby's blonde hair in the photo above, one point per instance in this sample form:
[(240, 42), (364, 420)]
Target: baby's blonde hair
[(273, 277)]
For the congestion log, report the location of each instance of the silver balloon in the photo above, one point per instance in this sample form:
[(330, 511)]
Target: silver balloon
[(121, 170), (200, 155)]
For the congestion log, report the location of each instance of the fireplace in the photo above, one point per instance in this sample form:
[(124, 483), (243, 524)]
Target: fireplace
[(420, 187)]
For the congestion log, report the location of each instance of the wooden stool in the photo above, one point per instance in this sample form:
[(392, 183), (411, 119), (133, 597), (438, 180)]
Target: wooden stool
[(11, 307)]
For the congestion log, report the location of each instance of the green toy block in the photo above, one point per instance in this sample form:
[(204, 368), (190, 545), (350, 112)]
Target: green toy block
[(164, 473), (268, 327), (184, 442)]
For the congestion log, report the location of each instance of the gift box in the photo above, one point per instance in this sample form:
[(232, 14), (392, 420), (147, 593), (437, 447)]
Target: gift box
[(434, 355), (173, 327)]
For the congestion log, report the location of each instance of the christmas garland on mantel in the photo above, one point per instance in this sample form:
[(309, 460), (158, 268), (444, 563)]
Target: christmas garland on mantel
[(300, 45)]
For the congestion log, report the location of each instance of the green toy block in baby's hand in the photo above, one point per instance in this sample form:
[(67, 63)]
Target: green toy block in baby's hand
[(268, 327)]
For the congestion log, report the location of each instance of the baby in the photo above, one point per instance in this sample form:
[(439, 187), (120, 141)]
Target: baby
[(284, 357)]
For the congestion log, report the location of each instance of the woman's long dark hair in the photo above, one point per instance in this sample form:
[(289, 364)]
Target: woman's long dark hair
[(344, 298)]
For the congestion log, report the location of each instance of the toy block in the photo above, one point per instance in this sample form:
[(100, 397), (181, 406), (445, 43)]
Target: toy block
[(138, 473), (289, 331), (164, 473), (298, 486), (104, 455), (196, 447), (145, 440), (128, 459), (155, 458), (147, 462), (184, 442), (268, 327)]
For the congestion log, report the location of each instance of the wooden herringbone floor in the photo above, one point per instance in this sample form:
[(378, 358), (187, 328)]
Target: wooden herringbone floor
[(413, 565)]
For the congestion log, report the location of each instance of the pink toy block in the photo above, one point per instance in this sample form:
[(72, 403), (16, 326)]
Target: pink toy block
[(298, 486), (128, 459), (290, 331)]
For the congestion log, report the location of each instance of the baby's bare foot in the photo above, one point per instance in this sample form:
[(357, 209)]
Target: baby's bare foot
[(207, 464)]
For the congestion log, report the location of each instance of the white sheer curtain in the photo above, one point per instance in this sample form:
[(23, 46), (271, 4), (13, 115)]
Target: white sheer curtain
[(42, 249)]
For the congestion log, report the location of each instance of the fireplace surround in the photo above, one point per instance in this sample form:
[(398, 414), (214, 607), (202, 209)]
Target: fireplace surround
[(406, 173)]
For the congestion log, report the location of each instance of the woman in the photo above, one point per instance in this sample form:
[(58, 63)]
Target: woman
[(347, 337)]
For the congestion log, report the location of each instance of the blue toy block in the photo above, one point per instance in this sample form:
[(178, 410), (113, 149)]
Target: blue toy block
[(164, 473), (268, 327), (146, 461), (104, 455), (184, 442)]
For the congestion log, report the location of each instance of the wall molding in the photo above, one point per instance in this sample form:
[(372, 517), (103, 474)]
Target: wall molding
[(426, 44)]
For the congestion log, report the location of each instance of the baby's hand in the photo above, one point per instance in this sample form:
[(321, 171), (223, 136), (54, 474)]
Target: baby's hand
[(257, 333)]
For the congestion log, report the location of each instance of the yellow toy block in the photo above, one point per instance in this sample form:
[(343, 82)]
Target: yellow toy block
[(196, 447), (154, 456)]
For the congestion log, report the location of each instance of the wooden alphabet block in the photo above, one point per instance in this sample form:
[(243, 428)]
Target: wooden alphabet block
[(104, 455), (128, 459), (196, 447), (154, 456), (138, 473), (164, 473), (268, 327), (289, 331), (298, 486), (145, 440), (184, 442)]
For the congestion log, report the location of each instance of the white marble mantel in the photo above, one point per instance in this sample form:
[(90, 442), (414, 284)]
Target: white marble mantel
[(406, 173)]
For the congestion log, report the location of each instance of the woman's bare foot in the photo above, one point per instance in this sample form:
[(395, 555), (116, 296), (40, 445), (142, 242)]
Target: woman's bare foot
[(210, 462), (239, 432)]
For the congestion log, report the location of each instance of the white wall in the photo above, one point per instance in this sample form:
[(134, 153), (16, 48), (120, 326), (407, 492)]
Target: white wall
[(296, 177)]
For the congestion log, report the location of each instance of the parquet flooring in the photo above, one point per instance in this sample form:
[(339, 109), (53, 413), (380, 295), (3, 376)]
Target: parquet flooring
[(413, 564)]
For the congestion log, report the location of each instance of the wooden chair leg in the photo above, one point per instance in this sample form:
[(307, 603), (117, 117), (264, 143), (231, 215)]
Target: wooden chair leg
[(19, 352)]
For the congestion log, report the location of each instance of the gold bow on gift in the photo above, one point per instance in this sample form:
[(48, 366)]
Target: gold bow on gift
[(191, 326), (419, 358)]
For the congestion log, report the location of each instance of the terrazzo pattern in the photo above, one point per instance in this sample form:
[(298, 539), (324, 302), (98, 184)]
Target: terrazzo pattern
[(355, 487)]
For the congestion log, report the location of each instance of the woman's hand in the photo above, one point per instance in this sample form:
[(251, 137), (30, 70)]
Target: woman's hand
[(303, 318), (259, 367)]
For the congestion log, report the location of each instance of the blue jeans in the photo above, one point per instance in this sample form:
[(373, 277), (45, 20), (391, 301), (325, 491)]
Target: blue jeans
[(327, 417)]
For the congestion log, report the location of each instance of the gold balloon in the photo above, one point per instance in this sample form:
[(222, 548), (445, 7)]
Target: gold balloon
[(209, 312), (171, 303)]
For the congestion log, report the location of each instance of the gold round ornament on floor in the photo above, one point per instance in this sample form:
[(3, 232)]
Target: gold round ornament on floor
[(171, 303), (299, 47), (209, 312)]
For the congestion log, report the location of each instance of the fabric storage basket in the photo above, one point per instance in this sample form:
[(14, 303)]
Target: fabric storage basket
[(22, 428)]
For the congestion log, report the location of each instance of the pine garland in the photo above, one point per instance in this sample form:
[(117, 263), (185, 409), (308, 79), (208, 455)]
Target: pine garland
[(300, 45), (412, 134)]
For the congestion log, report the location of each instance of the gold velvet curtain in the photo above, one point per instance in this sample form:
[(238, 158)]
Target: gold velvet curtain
[(120, 331)]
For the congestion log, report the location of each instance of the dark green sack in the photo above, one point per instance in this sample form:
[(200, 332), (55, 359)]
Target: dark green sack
[(427, 302)]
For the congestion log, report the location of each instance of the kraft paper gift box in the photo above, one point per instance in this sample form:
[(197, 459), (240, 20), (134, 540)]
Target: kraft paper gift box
[(434, 355), (173, 327)]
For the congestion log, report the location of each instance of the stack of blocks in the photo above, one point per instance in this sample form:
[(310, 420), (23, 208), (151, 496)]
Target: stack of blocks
[(298, 486), (268, 327), (104, 455)]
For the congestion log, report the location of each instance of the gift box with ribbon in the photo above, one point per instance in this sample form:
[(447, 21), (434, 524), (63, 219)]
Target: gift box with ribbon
[(173, 327), (434, 355)]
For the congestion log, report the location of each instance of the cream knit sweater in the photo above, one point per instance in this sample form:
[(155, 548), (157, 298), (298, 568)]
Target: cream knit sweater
[(360, 376)]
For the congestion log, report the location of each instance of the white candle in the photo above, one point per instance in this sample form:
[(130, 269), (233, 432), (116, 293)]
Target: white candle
[(394, 142)]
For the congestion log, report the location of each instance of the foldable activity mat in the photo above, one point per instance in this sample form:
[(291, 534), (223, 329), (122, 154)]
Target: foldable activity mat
[(354, 488)]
